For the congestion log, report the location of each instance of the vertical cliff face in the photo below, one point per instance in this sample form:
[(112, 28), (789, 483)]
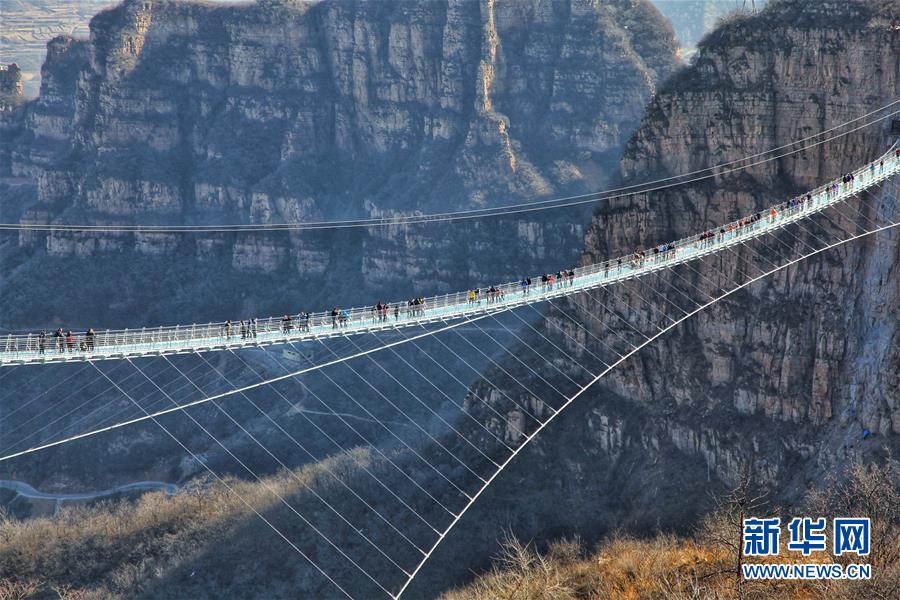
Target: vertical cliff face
[(783, 378), (760, 82), (293, 111), (11, 99)]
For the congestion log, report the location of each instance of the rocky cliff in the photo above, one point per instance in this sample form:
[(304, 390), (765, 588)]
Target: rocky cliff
[(11, 83), (789, 380), (11, 98), (282, 111), (760, 82)]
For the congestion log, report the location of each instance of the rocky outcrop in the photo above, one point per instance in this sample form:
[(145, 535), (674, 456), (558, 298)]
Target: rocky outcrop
[(284, 111), (11, 99), (11, 90)]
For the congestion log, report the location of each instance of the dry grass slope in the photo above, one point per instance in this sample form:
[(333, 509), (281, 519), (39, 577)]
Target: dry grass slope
[(704, 566), (122, 550), (117, 549)]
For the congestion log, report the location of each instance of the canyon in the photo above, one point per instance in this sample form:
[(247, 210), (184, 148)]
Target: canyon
[(292, 111)]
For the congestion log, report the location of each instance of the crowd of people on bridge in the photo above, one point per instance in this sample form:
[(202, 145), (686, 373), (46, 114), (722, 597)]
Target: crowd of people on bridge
[(496, 293), (560, 280), (66, 341), (302, 319), (382, 310), (738, 228)]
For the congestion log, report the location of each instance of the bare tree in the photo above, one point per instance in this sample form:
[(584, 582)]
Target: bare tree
[(724, 526), (868, 490)]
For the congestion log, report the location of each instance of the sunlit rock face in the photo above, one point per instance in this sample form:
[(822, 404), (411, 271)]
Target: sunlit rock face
[(282, 111), (789, 379)]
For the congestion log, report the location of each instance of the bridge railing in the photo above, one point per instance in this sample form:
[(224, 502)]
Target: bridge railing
[(209, 335)]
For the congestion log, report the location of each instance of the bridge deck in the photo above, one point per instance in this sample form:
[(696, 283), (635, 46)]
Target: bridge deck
[(120, 344)]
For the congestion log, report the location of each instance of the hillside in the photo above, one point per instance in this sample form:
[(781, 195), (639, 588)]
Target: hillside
[(704, 564), (162, 547)]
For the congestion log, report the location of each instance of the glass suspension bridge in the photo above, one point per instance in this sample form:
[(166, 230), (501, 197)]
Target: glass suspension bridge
[(179, 339)]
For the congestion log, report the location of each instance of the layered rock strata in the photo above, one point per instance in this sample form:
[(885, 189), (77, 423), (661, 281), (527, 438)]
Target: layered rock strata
[(287, 112)]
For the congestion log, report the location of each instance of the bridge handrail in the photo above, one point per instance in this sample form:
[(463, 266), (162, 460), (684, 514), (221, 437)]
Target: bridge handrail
[(165, 338)]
